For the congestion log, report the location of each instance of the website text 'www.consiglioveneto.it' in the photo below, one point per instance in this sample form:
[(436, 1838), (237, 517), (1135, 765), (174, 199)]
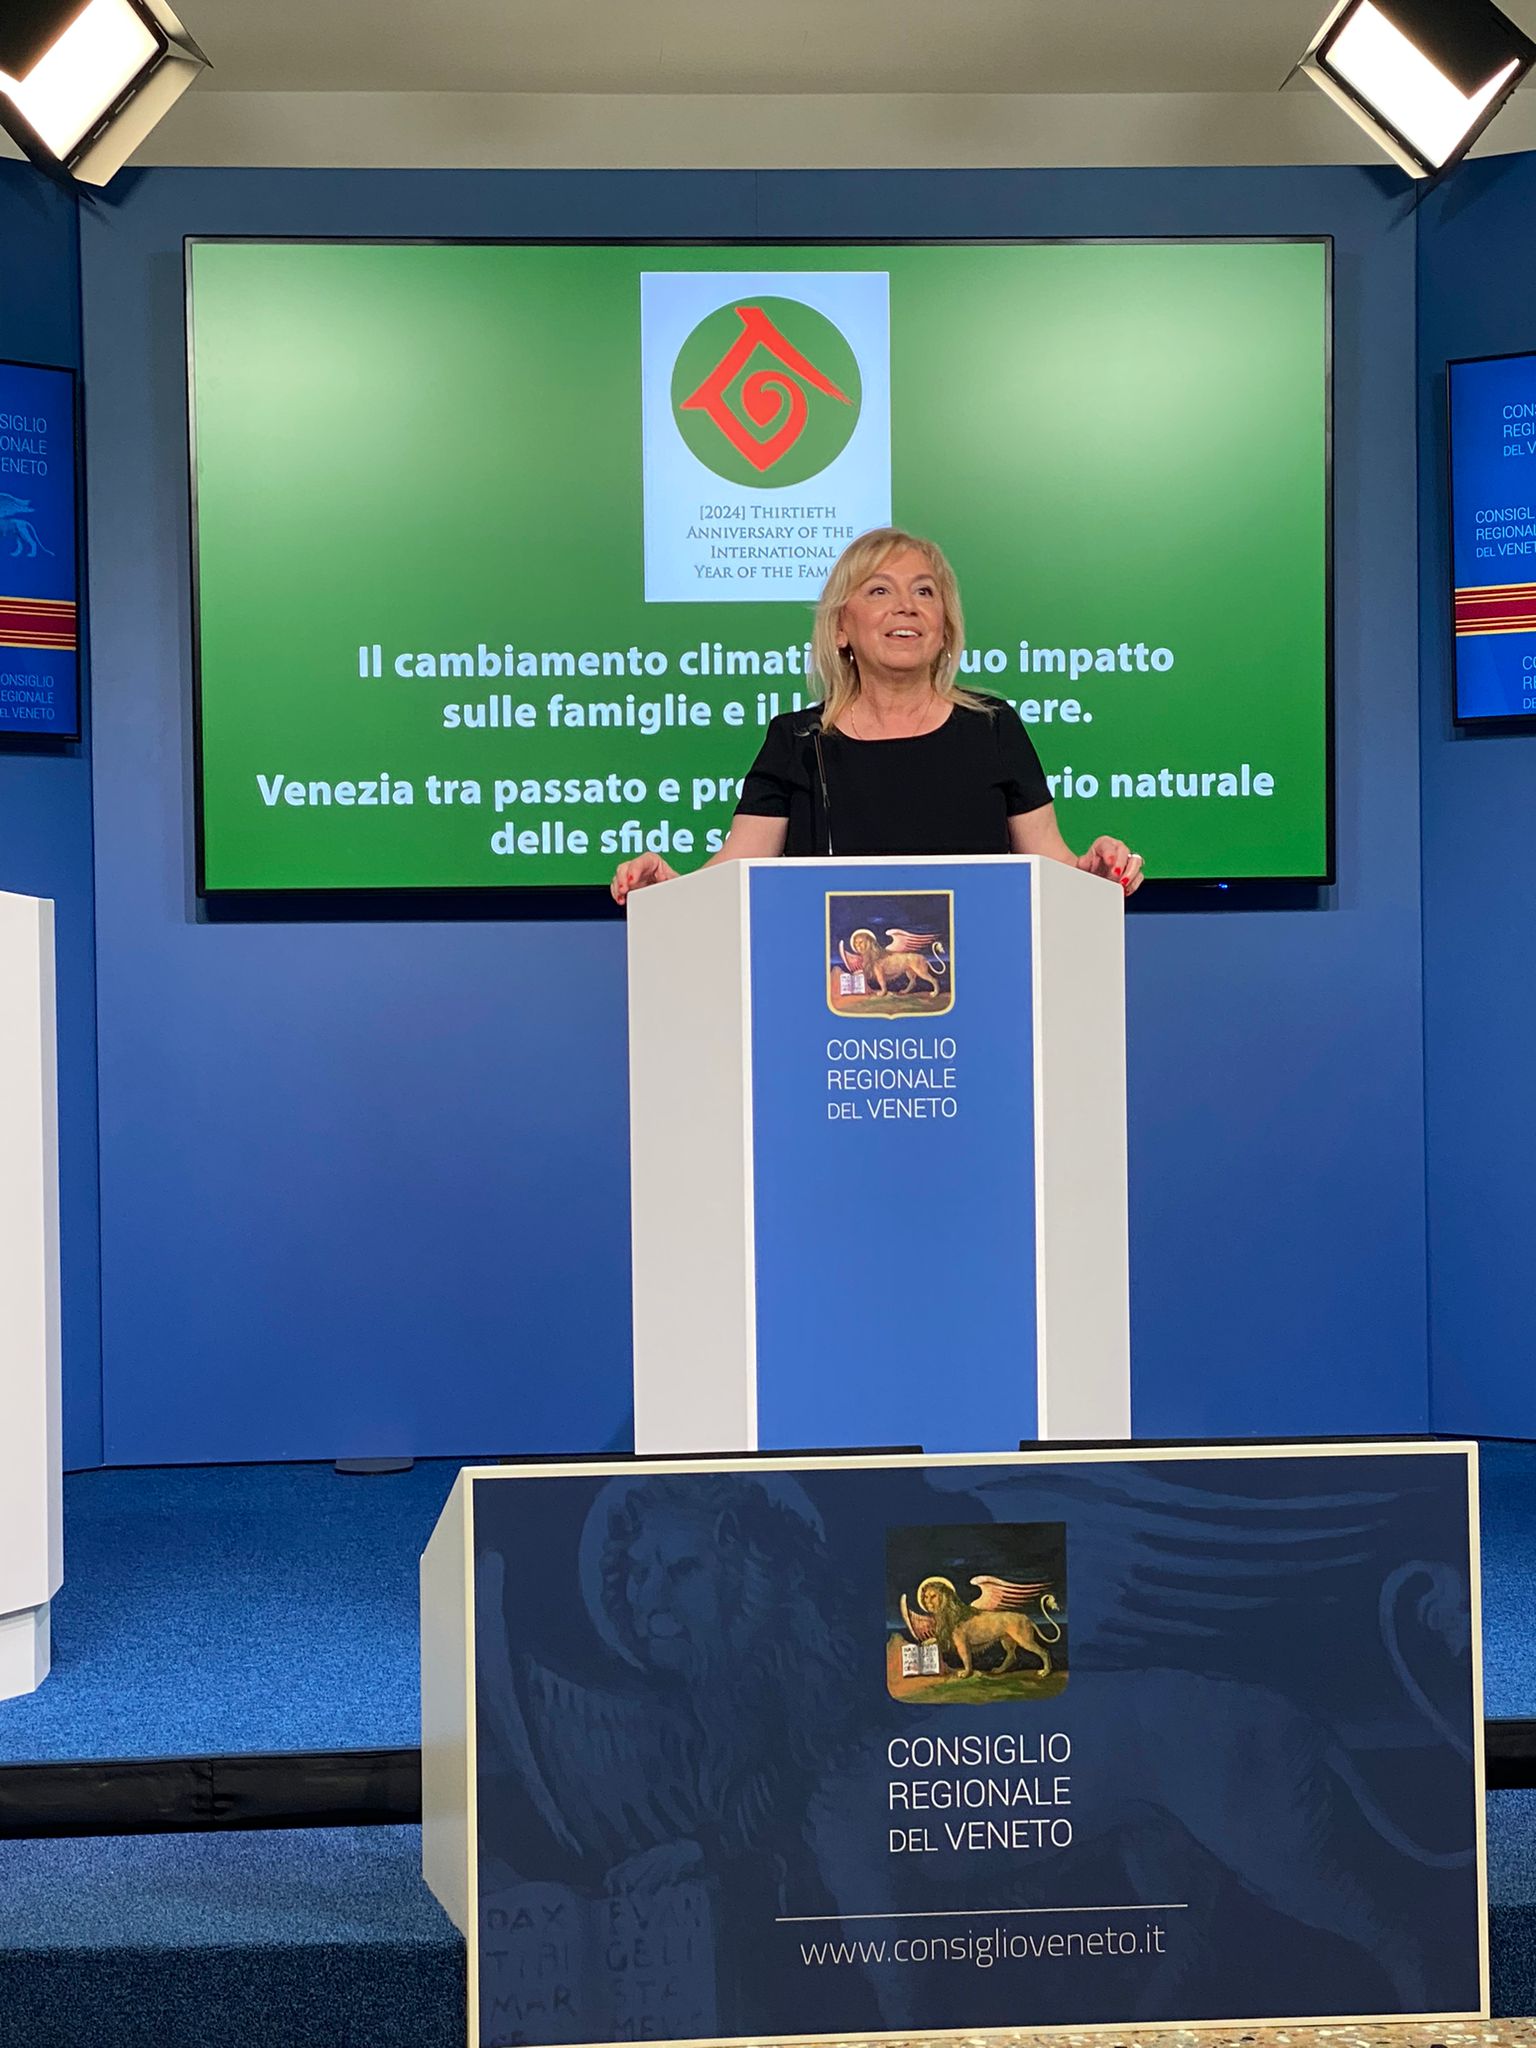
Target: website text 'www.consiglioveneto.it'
[(981, 1949)]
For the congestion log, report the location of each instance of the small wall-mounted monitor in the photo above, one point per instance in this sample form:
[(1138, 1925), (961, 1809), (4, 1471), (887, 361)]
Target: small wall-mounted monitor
[(39, 629), (1492, 402)]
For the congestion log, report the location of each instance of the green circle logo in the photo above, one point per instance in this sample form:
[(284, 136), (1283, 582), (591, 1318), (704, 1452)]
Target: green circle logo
[(766, 392)]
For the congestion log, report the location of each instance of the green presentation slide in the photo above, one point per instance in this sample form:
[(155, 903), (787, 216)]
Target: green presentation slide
[(506, 553)]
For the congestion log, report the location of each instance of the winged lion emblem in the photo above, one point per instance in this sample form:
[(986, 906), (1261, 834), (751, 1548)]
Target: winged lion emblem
[(995, 1617), (17, 527), (915, 960)]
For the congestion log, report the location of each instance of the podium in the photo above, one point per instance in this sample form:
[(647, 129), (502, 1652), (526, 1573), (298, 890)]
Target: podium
[(878, 1160), (31, 1458)]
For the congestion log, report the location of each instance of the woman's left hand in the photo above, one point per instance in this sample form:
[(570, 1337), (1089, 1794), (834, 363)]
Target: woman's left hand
[(1113, 859)]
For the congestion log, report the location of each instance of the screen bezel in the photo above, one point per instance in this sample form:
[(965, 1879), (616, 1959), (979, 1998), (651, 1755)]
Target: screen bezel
[(591, 899), (22, 738), (1472, 721)]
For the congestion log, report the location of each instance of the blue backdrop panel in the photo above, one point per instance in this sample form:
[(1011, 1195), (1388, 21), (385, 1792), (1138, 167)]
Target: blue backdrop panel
[(893, 1161), (364, 1185), (711, 1805), (1479, 967), (1275, 1078)]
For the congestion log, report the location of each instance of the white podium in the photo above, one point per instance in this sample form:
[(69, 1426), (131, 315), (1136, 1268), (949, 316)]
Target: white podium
[(878, 1157), (31, 1459)]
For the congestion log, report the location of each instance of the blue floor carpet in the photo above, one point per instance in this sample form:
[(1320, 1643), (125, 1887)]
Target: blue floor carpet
[(218, 1609), (1512, 1900), (1508, 1488), (215, 1610), (303, 1938), (328, 1939)]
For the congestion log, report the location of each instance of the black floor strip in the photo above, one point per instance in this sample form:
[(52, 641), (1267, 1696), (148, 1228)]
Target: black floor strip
[(1509, 1751), (342, 1788)]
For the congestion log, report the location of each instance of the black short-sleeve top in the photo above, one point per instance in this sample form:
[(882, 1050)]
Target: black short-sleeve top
[(951, 790)]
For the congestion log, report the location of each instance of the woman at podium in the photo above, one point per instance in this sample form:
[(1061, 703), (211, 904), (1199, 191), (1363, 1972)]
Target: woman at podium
[(897, 758)]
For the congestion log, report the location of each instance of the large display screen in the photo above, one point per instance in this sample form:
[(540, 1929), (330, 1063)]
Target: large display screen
[(506, 553), (1493, 535), (39, 598)]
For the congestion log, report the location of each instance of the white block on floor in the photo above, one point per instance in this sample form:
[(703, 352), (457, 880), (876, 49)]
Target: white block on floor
[(26, 1650), (31, 1455)]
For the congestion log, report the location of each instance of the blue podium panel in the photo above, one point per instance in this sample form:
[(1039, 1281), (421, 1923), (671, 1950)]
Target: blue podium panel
[(763, 1751), (893, 1170)]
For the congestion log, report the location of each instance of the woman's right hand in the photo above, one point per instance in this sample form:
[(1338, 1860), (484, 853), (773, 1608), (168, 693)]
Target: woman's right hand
[(640, 874)]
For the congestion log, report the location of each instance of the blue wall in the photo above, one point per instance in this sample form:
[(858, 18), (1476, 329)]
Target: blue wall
[(364, 1185), (1477, 296), (45, 810)]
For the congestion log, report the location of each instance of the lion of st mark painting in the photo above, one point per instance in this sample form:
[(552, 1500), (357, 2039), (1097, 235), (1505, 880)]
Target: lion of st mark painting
[(987, 1620), (891, 954), (908, 964)]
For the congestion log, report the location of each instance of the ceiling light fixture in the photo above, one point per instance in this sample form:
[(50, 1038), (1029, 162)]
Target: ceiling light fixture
[(1423, 77), (81, 86)]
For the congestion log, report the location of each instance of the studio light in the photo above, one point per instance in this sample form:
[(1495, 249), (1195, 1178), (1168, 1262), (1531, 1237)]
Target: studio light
[(1423, 77), (81, 86)]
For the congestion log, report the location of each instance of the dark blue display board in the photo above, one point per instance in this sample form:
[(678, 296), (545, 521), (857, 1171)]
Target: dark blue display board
[(848, 1748), (1493, 534)]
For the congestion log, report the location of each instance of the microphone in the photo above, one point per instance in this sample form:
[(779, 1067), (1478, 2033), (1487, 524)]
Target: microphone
[(812, 731)]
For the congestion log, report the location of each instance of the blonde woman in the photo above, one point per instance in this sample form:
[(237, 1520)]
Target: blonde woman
[(897, 758)]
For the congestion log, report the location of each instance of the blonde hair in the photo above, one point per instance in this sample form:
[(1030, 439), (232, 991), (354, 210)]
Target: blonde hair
[(837, 669)]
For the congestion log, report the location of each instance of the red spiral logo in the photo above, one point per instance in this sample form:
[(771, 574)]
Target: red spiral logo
[(774, 401)]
